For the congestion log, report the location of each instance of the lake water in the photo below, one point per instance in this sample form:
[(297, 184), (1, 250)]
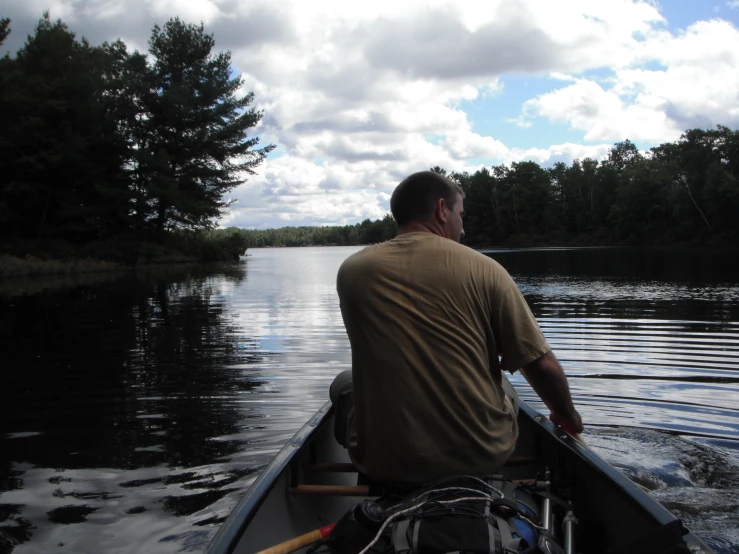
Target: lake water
[(136, 408)]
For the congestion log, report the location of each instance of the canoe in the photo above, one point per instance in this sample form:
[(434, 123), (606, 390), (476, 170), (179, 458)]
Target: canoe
[(311, 484)]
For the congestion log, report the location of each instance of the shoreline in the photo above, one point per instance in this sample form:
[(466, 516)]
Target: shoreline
[(15, 267)]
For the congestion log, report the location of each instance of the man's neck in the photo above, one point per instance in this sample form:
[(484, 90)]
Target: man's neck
[(419, 227)]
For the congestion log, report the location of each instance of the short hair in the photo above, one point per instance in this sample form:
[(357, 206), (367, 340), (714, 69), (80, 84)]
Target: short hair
[(415, 197)]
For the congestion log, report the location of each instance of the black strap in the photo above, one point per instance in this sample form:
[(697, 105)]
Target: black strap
[(506, 538), (400, 536), (491, 538), (416, 530)]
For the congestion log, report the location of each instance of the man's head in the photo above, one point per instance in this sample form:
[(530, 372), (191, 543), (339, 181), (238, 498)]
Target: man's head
[(429, 200)]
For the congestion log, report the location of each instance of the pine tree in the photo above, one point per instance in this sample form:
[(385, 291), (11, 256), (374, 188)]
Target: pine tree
[(6, 66), (4, 29), (195, 148), (59, 170)]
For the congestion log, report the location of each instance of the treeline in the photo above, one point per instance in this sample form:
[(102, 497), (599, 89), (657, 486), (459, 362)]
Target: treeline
[(681, 192), (110, 154), (366, 232), (676, 193)]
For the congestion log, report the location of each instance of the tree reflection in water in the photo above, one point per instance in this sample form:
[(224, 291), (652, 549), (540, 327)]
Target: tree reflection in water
[(125, 372)]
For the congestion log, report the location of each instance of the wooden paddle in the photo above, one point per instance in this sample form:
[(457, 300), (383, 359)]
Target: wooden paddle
[(299, 542)]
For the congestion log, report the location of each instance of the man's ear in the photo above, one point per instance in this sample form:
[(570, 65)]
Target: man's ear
[(440, 210)]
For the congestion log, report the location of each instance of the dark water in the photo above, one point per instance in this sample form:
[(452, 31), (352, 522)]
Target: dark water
[(135, 409)]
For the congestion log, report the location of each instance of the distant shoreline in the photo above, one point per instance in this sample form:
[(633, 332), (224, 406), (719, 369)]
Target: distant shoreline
[(687, 247)]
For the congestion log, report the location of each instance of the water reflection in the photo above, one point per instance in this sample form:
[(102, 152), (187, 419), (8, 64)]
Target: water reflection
[(128, 373), (630, 265)]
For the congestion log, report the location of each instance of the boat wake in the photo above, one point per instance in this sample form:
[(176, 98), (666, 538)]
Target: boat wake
[(697, 481)]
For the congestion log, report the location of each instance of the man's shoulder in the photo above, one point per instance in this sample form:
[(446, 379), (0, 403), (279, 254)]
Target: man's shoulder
[(365, 253), (471, 255), (365, 257)]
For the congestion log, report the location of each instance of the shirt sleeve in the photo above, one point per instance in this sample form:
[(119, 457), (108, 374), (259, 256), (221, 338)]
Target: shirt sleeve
[(517, 333)]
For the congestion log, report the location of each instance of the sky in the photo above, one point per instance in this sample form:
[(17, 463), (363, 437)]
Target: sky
[(358, 95)]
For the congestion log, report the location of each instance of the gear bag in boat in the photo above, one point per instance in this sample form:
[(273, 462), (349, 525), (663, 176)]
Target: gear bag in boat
[(459, 514)]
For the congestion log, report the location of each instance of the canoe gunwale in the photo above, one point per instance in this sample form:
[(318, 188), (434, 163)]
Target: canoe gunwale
[(631, 489), (635, 494), (230, 532)]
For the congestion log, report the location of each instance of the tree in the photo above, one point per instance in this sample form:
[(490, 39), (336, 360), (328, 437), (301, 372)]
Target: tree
[(530, 188), (195, 148), (570, 198), (59, 158), (6, 66), (126, 82), (4, 29), (623, 155), (689, 161), (481, 218)]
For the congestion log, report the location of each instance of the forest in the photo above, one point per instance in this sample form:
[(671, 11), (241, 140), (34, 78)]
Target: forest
[(110, 154), (680, 193), (684, 192), (114, 155), (366, 232)]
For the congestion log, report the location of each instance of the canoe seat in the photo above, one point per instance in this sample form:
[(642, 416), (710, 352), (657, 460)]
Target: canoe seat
[(332, 467), (348, 467), (331, 490)]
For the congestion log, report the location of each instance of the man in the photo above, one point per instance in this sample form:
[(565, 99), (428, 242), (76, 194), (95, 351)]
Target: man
[(428, 319)]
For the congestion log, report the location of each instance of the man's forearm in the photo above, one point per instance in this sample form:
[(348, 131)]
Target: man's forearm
[(547, 378)]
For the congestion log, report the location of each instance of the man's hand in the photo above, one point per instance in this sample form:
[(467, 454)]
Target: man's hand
[(573, 425)]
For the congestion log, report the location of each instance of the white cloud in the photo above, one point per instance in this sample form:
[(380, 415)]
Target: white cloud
[(605, 115), (466, 145), (206, 11), (359, 94), (58, 8), (694, 85), (566, 153)]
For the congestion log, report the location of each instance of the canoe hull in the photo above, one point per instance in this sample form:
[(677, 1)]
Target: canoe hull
[(613, 512)]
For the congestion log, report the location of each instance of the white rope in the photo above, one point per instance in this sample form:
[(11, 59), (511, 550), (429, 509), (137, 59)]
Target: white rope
[(387, 521), (481, 496), (486, 484), (520, 514), (434, 491), (536, 525)]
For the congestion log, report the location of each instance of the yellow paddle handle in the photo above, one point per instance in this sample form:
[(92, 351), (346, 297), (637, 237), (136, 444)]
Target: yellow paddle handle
[(298, 542)]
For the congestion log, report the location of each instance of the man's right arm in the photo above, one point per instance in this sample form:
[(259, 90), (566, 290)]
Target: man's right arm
[(518, 338), (547, 378)]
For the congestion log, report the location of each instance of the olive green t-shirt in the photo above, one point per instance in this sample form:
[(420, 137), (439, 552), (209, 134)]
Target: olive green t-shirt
[(427, 320)]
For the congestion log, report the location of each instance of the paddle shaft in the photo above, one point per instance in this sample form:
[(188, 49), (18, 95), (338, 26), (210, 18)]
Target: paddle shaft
[(299, 542)]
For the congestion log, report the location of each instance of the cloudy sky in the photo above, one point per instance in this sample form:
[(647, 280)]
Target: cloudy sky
[(358, 95)]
